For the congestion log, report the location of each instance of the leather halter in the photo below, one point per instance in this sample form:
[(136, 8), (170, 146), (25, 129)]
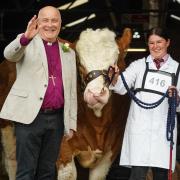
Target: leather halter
[(88, 77), (93, 75)]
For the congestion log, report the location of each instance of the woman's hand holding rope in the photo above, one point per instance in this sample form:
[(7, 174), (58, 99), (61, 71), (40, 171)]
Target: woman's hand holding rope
[(171, 90), (113, 74)]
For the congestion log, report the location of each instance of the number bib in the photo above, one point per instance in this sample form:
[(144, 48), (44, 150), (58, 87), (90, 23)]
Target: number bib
[(158, 81)]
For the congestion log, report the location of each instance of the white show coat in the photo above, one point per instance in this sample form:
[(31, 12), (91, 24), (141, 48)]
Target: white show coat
[(145, 142)]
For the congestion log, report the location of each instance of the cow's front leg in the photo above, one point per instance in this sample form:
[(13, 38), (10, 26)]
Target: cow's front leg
[(9, 147), (100, 171), (65, 164), (68, 171)]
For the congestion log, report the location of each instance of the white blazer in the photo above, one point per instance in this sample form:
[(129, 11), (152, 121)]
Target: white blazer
[(145, 142), (26, 95)]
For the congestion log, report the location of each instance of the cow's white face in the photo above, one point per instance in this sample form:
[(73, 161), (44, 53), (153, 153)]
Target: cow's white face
[(97, 50)]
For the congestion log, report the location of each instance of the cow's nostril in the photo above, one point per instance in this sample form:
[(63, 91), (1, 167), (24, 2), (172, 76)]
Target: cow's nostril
[(102, 90), (89, 91)]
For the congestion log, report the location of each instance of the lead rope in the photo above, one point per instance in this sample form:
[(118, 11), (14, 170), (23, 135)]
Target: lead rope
[(172, 101), (170, 127), (138, 101)]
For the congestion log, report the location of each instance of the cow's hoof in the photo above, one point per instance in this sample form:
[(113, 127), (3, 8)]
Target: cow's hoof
[(67, 172)]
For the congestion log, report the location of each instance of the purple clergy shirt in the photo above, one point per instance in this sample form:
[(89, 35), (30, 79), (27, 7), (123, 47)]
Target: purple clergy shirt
[(54, 96)]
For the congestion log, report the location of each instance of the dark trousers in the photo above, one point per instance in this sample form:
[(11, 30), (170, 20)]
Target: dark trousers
[(38, 146), (140, 172)]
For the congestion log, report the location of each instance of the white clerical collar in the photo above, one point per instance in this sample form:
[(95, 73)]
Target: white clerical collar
[(49, 43)]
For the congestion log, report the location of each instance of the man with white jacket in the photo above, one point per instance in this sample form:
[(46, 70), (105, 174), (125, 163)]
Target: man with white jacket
[(42, 101)]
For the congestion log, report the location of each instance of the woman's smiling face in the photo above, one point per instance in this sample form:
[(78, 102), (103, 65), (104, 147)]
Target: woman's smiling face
[(158, 46)]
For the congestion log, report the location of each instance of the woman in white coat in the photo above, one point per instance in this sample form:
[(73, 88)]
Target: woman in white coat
[(145, 144)]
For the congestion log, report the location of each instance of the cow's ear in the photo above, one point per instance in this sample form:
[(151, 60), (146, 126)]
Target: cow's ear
[(123, 44), (73, 45)]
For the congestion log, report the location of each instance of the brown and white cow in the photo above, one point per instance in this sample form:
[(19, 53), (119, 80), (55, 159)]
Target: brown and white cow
[(101, 114), (7, 139)]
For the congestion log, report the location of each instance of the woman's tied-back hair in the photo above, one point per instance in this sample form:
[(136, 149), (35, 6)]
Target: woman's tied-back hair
[(162, 32)]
